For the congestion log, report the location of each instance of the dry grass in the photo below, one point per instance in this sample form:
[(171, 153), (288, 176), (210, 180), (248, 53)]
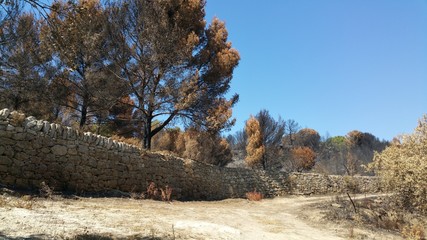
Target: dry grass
[(380, 213), (25, 202), (254, 196)]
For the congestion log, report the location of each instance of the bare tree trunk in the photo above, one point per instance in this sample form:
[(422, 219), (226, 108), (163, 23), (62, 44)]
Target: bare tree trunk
[(147, 134), (83, 118)]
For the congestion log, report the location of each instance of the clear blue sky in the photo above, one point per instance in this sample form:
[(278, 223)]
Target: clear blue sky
[(331, 65)]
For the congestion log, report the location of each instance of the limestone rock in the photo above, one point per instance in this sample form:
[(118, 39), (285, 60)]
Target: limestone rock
[(46, 127), (4, 113), (30, 122)]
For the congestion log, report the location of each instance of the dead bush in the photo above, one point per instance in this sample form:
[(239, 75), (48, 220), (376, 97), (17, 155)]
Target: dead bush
[(45, 190), (17, 118), (155, 193), (414, 232), (351, 184), (194, 144), (130, 141), (166, 193), (254, 196), (402, 168)]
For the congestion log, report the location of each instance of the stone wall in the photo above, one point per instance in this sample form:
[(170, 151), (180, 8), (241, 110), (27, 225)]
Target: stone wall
[(33, 151)]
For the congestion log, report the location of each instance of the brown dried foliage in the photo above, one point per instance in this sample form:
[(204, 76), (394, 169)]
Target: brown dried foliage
[(254, 196), (131, 141), (303, 158), (156, 193), (255, 149), (194, 144)]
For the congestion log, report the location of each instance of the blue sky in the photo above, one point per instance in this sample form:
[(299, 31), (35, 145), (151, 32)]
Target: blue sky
[(331, 65)]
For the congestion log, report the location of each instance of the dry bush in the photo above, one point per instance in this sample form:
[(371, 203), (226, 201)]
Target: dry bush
[(206, 147), (166, 193), (351, 184), (131, 141), (155, 193), (382, 213), (152, 191), (194, 144), (17, 118), (414, 232), (166, 140), (254, 196), (403, 168), (45, 190), (303, 158)]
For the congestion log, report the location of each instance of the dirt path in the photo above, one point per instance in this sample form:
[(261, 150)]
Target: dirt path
[(280, 218)]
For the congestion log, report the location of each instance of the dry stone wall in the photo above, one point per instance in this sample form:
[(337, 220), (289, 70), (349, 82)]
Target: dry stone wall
[(34, 151)]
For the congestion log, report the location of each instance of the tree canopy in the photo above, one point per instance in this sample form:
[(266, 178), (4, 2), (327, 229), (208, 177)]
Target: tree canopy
[(133, 62)]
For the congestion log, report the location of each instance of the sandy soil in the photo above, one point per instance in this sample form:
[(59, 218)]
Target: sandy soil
[(292, 217)]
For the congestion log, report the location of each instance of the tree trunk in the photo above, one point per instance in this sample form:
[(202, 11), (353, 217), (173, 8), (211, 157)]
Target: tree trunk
[(84, 116), (147, 134)]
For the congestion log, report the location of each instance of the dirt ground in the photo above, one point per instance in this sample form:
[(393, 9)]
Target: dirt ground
[(291, 217)]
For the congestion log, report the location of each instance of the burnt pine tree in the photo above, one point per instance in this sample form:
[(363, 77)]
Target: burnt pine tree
[(255, 149), (176, 67), (25, 71), (76, 35)]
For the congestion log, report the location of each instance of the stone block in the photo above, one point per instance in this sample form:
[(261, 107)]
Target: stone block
[(10, 128), (8, 180), (59, 150), (6, 141), (72, 151), (6, 134), (19, 136), (8, 151), (59, 130), (39, 126), (4, 113), (83, 149), (46, 127), (30, 122), (45, 150), (24, 145), (52, 130), (4, 160), (22, 183), (70, 133)]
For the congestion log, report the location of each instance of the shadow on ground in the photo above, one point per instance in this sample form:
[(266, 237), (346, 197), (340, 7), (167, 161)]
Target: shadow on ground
[(81, 237)]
